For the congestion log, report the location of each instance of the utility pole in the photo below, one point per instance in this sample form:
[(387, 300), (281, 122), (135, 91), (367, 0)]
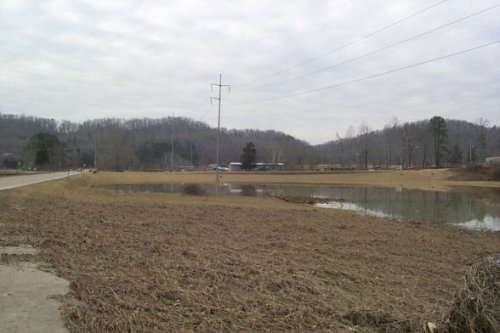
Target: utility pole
[(220, 85), (172, 143), (470, 154)]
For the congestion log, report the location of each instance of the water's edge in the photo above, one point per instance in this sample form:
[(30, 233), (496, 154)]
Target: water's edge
[(465, 208)]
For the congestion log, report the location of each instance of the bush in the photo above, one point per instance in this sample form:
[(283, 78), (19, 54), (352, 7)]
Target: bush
[(193, 189), (476, 307)]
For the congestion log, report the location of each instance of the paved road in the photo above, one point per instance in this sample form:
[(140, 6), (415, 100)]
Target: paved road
[(17, 181)]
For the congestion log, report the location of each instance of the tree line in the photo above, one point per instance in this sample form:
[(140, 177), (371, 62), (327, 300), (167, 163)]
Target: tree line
[(144, 144), (435, 142), (175, 142)]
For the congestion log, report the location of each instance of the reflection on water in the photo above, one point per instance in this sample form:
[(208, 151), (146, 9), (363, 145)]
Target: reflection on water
[(458, 207)]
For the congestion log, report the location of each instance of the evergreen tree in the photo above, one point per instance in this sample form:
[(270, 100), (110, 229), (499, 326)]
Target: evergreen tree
[(249, 157), (45, 151)]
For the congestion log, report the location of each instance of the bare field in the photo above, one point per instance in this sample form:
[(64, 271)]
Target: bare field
[(8, 172), (143, 262), (428, 179)]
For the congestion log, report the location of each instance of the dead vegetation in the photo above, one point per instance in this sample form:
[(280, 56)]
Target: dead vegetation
[(193, 189), (166, 263), (306, 200), (477, 173), (476, 307)]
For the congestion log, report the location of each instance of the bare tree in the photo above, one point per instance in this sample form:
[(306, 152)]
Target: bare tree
[(481, 137), (363, 131)]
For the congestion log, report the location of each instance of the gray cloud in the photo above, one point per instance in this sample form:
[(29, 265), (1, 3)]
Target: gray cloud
[(78, 60)]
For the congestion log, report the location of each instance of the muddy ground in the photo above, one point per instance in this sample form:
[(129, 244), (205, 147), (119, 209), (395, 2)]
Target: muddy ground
[(171, 263)]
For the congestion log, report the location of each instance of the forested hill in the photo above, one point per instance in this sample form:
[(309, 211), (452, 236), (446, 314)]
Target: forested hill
[(146, 144), (413, 145)]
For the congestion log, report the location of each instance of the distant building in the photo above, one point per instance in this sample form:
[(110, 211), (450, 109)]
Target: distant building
[(214, 167), (261, 166), (264, 166), (491, 161), (235, 166)]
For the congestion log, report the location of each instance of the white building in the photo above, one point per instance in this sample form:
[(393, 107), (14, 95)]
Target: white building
[(234, 166), (491, 161)]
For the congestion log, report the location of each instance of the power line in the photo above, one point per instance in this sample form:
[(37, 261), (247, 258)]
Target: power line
[(343, 46), (202, 106), (372, 76), (376, 51), (204, 115)]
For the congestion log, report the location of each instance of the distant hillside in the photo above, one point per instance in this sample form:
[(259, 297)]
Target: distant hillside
[(411, 145), (144, 144)]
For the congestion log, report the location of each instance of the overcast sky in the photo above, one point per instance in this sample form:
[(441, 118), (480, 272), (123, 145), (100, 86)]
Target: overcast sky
[(79, 60)]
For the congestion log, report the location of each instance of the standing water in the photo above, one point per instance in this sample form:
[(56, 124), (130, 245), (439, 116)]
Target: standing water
[(477, 209)]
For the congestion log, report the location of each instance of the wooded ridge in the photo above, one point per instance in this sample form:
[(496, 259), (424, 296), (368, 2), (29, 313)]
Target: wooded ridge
[(149, 144)]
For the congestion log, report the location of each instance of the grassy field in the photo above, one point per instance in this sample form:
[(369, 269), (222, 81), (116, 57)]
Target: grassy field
[(427, 179), (8, 172), (145, 262)]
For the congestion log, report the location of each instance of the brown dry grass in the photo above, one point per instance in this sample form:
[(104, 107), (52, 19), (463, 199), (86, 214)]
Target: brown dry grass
[(174, 263), (8, 172), (428, 179), (477, 306)]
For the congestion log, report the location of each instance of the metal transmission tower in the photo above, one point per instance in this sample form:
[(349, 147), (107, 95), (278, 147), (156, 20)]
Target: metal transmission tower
[(220, 85)]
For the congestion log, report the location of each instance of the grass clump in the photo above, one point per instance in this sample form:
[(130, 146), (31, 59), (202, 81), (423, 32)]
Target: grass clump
[(476, 307)]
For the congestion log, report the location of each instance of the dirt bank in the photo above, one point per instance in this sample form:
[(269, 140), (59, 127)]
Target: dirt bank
[(169, 263), (477, 173)]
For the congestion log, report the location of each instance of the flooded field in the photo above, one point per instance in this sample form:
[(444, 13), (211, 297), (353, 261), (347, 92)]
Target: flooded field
[(479, 209), (242, 261)]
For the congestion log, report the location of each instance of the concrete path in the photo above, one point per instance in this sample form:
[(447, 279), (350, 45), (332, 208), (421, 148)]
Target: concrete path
[(27, 296), (27, 303), (17, 181)]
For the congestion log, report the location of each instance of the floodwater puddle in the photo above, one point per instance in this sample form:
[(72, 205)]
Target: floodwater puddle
[(465, 207)]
